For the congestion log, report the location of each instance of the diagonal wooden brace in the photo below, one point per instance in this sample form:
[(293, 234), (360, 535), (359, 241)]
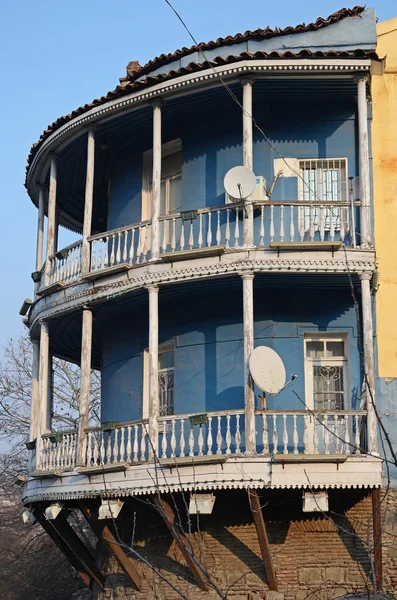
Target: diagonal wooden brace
[(168, 516), (103, 532), (260, 526), (62, 546), (65, 531)]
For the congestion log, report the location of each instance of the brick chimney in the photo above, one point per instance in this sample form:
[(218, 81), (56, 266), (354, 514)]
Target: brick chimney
[(132, 68)]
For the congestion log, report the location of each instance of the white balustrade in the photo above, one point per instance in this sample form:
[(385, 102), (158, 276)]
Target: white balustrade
[(66, 264), (220, 434), (126, 443), (59, 451), (126, 245), (306, 432), (307, 222)]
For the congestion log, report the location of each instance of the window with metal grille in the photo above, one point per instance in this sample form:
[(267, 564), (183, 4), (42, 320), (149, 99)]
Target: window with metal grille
[(326, 373), (323, 180), (171, 180)]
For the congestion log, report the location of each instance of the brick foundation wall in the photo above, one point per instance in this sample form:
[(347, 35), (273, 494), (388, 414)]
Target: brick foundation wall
[(315, 557)]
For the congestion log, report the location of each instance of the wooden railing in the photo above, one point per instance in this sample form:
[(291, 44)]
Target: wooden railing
[(220, 433), (65, 265), (59, 451), (125, 245)]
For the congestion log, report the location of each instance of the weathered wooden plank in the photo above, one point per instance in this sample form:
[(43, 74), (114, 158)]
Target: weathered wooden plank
[(103, 532), (85, 385), (168, 516), (65, 531), (260, 526), (62, 546), (377, 534)]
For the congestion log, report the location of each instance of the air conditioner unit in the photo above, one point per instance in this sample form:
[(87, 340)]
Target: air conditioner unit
[(258, 195)]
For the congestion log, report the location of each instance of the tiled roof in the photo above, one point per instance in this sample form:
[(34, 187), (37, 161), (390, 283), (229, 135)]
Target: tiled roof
[(136, 79)]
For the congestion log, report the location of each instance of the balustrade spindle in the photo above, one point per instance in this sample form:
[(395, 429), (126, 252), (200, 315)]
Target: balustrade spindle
[(227, 228), (301, 223), (135, 445), (326, 434), (218, 228), (342, 226), (139, 252), (311, 223), (275, 435), (182, 439), (295, 437), (209, 436), (336, 437), (102, 449), (108, 449), (146, 243), (106, 258), (347, 435), (115, 446), (291, 224), (173, 237), (306, 434), (332, 226), (99, 255), (265, 434), (165, 230), (112, 252), (281, 223), (219, 437), (209, 230), (271, 227), (191, 240), (88, 461), (173, 439), (322, 222), (125, 236), (132, 247), (122, 444), (285, 435), (143, 445), (236, 228), (200, 441), (262, 227), (129, 444), (182, 238), (238, 435), (191, 441), (228, 438), (357, 435), (164, 440), (316, 427), (95, 450), (200, 234), (118, 251)]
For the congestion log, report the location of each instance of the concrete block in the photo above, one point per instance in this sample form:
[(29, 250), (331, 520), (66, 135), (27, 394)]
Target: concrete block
[(335, 574), (311, 575), (272, 595)]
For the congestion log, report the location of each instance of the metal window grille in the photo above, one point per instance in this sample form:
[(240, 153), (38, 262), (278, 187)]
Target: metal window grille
[(328, 368)]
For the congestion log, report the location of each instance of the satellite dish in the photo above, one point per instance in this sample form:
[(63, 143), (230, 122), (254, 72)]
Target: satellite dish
[(239, 183), (267, 370)]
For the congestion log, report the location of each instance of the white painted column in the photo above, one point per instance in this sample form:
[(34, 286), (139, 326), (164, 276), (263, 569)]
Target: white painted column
[(85, 385), (247, 83), (248, 329), (34, 403), (50, 396), (89, 196), (40, 232), (51, 215), (363, 157), (43, 425), (156, 184), (369, 366), (153, 367)]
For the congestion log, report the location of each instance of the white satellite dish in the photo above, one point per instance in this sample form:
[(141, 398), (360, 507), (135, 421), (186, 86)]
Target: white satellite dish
[(239, 183), (267, 370)]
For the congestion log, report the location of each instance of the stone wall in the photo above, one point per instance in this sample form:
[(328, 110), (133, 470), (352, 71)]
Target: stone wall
[(316, 557)]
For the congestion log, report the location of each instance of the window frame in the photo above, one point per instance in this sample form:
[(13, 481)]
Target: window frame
[(172, 147), (309, 363), (165, 347)]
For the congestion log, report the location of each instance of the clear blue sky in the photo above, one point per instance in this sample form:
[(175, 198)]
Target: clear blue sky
[(56, 55)]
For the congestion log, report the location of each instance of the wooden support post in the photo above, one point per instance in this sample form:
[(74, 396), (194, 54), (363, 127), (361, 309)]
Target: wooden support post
[(103, 532), (363, 158), (65, 531), (89, 196), (377, 535), (247, 83), (156, 186), (85, 385), (43, 425), (51, 214), (260, 526), (40, 232), (249, 396), (153, 368), (368, 341), (168, 516), (62, 546)]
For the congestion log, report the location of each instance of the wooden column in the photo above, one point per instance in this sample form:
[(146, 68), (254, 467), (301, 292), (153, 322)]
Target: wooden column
[(248, 332), (103, 532), (255, 506), (247, 83), (40, 231), (34, 403), (51, 214), (85, 384), (377, 533), (363, 157), (168, 516), (156, 185), (89, 196), (367, 333), (43, 424), (153, 367)]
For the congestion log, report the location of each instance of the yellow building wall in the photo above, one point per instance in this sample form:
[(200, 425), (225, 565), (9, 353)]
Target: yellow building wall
[(384, 152)]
